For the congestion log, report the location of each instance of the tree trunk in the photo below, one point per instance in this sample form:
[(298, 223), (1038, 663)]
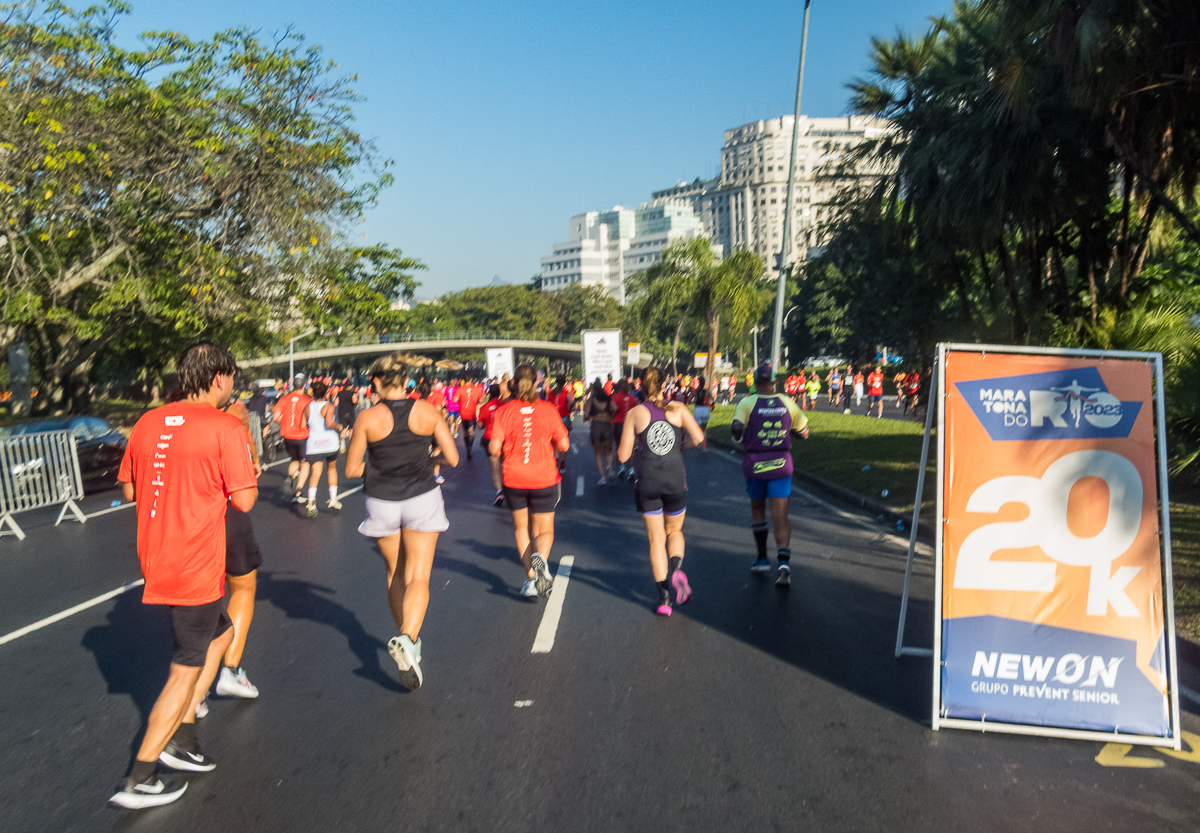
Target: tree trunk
[(1020, 325), (675, 345), (713, 319)]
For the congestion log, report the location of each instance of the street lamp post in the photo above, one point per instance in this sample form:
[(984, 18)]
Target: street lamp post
[(786, 251), (292, 354)]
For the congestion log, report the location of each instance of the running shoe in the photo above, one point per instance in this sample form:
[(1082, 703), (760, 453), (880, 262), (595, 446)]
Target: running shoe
[(499, 501), (785, 576), (529, 589), (310, 508), (334, 504), (232, 683), (440, 480), (408, 658), (301, 499), (202, 709), (543, 579), (153, 792), (663, 609), (193, 760), (602, 482), (683, 590), (762, 566), (288, 487)]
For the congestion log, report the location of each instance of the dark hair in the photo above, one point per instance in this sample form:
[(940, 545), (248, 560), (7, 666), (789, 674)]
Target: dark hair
[(199, 364), (599, 393), (526, 378), (559, 382), (652, 383), (494, 392), (319, 389), (424, 388)]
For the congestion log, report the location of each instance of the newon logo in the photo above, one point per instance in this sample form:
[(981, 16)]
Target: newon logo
[(1059, 405)]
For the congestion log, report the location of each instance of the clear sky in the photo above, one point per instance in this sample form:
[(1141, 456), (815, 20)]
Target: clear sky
[(506, 118)]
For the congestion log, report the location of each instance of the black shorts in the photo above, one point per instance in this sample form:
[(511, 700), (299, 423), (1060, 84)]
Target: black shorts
[(295, 449), (656, 503), (871, 400), (537, 501), (322, 458), (194, 627), (242, 554), (346, 418), (468, 424), (487, 446)]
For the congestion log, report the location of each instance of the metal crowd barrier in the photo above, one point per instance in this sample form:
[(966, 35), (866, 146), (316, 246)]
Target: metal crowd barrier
[(256, 432), (38, 470)]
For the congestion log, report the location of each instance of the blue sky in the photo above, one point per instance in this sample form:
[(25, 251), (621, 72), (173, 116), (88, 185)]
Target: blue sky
[(506, 118)]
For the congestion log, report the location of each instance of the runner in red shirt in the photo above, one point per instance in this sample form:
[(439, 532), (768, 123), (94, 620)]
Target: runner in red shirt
[(185, 462), (291, 412), (624, 402), (875, 391), (525, 434), (564, 401), (468, 411), (486, 416), (608, 385)]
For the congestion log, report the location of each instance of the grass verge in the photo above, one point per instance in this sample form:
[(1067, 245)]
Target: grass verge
[(871, 456)]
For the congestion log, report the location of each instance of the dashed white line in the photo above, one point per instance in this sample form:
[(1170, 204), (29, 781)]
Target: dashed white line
[(544, 641), (579, 486), (349, 492), (71, 611)]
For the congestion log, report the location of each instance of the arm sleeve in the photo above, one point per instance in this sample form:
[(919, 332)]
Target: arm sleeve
[(742, 412), (236, 469), (497, 424)]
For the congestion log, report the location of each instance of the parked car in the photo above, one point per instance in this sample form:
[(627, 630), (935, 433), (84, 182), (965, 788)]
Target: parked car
[(100, 446)]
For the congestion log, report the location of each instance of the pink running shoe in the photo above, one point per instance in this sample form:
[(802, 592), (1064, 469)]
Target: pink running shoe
[(663, 610), (683, 590)]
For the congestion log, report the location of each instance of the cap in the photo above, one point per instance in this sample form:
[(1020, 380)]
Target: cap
[(764, 373)]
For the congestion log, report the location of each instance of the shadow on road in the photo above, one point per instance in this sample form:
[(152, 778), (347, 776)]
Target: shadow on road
[(299, 599)]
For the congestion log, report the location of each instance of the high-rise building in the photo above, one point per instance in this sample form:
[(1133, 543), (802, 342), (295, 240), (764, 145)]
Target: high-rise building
[(743, 208), (608, 246)]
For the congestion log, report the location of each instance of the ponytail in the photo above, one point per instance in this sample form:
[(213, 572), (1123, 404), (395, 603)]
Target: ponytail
[(652, 383), (390, 370), (525, 378)]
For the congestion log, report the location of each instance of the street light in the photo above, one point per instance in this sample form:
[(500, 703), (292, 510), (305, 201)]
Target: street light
[(292, 354), (784, 265), (786, 315)]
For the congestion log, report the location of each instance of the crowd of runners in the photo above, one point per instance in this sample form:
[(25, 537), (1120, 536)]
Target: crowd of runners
[(192, 468)]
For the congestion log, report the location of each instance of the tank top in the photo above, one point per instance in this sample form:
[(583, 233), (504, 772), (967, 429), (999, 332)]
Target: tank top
[(398, 466), (768, 439), (345, 401), (321, 438), (658, 456)]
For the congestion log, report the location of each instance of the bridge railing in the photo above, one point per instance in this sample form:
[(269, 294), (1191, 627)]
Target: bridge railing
[(401, 340)]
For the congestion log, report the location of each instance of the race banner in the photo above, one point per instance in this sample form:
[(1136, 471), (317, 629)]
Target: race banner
[(601, 355), (499, 361), (1055, 608)]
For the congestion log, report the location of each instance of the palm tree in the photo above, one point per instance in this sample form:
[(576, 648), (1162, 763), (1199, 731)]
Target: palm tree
[(691, 280)]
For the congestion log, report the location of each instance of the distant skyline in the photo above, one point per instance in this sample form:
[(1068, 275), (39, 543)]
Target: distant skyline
[(503, 123)]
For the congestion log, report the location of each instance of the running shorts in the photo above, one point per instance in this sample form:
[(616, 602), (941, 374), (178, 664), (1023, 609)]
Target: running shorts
[(537, 501), (468, 424), (295, 449), (346, 418), (193, 628), (601, 432), (655, 503), (321, 457), (423, 513), (701, 413), (242, 554), (763, 489), (487, 447), (873, 398)]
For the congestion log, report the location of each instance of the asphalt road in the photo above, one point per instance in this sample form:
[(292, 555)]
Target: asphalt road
[(749, 709)]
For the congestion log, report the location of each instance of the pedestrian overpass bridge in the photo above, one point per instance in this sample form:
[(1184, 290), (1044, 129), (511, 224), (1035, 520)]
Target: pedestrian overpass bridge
[(424, 345)]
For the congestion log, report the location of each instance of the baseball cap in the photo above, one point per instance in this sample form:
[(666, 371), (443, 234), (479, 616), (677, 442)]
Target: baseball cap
[(764, 373)]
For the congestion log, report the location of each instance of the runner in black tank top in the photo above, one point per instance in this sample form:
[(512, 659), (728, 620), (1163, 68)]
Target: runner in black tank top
[(660, 490), (405, 513)]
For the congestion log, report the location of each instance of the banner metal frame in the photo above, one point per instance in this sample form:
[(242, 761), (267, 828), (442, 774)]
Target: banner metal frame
[(1173, 740)]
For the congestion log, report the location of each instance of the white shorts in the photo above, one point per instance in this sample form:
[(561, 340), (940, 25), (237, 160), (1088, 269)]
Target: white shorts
[(701, 413), (423, 513)]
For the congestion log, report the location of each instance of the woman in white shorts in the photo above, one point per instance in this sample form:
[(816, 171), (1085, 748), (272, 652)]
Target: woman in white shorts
[(405, 512)]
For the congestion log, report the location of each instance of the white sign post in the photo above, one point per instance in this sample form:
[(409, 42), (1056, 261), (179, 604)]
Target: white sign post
[(601, 355), (633, 355), (499, 362)]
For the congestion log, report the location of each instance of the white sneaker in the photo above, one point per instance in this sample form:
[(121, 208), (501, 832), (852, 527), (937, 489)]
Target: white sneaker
[(334, 504), (232, 683), (202, 709), (529, 589), (408, 659)]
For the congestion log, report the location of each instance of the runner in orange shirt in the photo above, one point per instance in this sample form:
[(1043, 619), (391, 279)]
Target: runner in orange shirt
[(875, 391), (486, 414), (468, 411), (291, 412)]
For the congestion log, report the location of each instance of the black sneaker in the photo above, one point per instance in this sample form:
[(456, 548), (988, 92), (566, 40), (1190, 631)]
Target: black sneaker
[(499, 501), (154, 791), (192, 760)]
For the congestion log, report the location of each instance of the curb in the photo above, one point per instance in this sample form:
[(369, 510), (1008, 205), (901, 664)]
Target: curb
[(924, 531)]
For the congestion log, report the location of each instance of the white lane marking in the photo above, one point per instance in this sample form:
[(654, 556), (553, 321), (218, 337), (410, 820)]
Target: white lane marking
[(111, 509), (579, 487), (349, 492), (544, 641), (522, 704), (58, 617), (574, 448), (922, 547), (277, 463)]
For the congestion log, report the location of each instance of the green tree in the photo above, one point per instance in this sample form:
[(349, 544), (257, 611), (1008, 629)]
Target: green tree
[(172, 188), (585, 308)]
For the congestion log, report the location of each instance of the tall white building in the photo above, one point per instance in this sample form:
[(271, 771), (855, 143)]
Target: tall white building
[(743, 208), (608, 246)]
